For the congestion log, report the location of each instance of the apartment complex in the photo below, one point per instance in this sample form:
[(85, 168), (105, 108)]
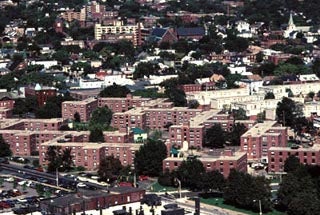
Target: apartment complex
[(223, 161), (84, 108), (123, 104), (306, 155), (257, 140), (111, 33), (89, 155)]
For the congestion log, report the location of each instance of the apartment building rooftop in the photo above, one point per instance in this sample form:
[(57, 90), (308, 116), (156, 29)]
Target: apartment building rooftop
[(211, 156), (86, 101), (89, 145), (260, 129), (315, 147), (202, 117)]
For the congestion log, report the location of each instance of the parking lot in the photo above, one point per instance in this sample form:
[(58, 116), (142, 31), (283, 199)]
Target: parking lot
[(22, 196)]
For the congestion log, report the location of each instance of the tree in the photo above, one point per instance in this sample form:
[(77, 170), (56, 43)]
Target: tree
[(291, 164), (242, 189), (67, 159), (304, 203), (101, 117), (236, 44), (311, 95), (114, 91), (212, 181), (215, 137), (76, 117), (148, 159), (234, 135), (289, 112), (109, 167), (193, 104), (316, 67), (239, 114), (269, 95), (40, 189), (145, 69), (189, 172), (5, 150), (53, 156), (96, 135)]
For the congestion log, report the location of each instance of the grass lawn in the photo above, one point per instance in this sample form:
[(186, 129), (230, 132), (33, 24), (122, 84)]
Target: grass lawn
[(219, 203), (156, 187)]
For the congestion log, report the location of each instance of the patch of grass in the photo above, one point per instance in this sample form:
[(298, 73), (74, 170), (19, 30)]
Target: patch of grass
[(156, 187), (219, 202)]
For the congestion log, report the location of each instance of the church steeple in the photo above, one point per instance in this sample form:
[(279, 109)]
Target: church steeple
[(291, 23)]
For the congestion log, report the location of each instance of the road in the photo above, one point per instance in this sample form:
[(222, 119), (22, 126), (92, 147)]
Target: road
[(24, 172), (204, 208)]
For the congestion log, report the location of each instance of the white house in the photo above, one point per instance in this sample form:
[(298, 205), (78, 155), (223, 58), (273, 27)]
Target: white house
[(46, 63)]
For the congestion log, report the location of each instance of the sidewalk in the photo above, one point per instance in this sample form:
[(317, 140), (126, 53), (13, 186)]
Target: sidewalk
[(213, 208)]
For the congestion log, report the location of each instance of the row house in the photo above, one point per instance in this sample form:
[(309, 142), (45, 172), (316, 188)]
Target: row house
[(205, 97), (278, 155), (84, 108), (257, 140), (123, 104), (222, 161)]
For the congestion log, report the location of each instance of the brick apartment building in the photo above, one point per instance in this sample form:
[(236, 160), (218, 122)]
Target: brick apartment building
[(223, 161), (42, 93), (134, 118), (257, 140), (123, 104), (89, 155), (278, 155), (193, 132), (84, 108)]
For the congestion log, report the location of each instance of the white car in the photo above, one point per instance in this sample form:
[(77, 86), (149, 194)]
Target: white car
[(81, 185), (11, 179), (21, 183)]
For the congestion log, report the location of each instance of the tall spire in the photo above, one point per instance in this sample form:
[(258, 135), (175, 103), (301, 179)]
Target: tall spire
[(291, 23)]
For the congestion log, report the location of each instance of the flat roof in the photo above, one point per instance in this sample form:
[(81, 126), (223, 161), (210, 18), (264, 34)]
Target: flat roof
[(85, 101), (314, 148), (260, 129), (210, 157)]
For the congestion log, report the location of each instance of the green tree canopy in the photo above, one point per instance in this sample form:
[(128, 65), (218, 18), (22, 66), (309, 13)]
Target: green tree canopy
[(215, 137), (96, 134), (189, 172), (145, 69), (238, 129), (101, 117), (148, 159), (5, 150), (114, 91), (269, 95), (243, 190), (289, 112), (109, 167), (291, 164)]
